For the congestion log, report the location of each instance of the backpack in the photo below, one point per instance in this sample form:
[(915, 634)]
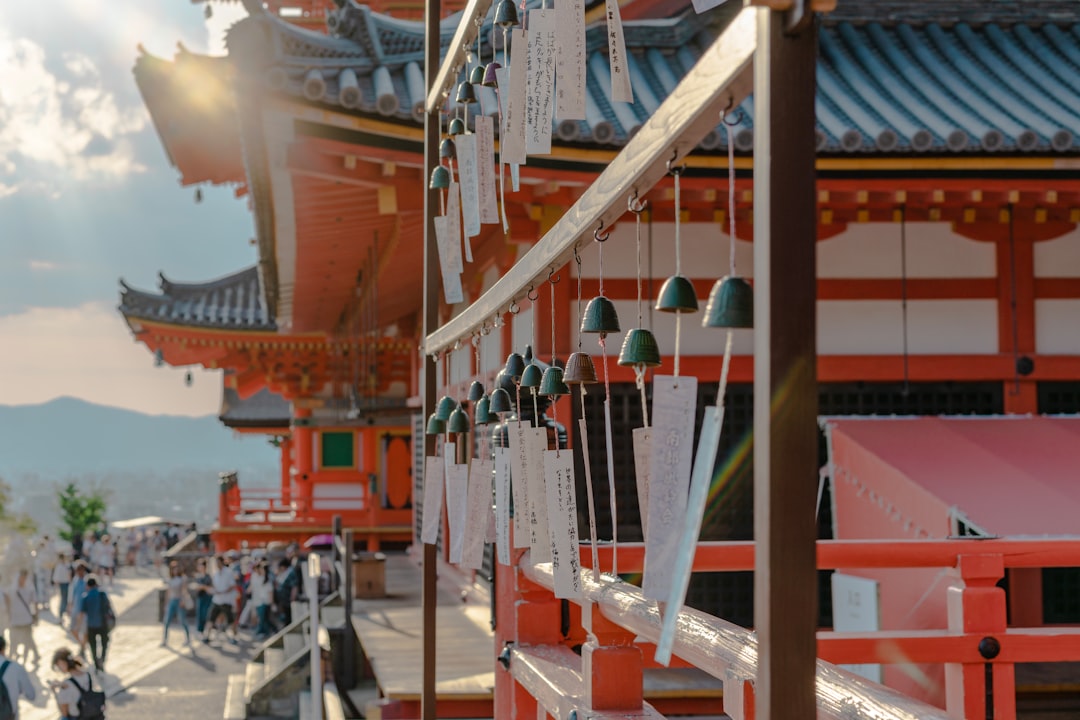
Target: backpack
[(91, 701), (7, 707)]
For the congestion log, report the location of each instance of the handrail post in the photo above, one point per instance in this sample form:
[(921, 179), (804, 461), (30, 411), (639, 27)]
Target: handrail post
[(313, 572), (977, 605), (349, 659), (611, 664), (335, 554)]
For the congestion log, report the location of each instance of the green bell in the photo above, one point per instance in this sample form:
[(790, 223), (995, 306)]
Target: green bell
[(552, 385), (515, 365), (579, 369), (445, 407), (457, 127), (500, 402), (731, 304), (476, 391), (482, 415), (677, 295), (440, 178), (465, 93), (639, 348), (476, 75), (435, 425), (532, 376), (490, 78), (447, 149), (600, 317), (506, 14), (458, 422)]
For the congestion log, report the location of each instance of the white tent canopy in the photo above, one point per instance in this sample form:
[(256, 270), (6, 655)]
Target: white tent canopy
[(142, 522)]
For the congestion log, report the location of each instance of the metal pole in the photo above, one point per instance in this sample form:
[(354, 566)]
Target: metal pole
[(313, 572), (785, 368), (349, 661), (335, 557)]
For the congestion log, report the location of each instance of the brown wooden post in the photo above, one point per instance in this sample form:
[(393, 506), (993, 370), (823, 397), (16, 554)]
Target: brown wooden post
[(785, 368), (335, 559), (349, 661)]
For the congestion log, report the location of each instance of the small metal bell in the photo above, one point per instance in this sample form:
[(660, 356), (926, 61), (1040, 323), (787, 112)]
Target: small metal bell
[(552, 385), (476, 75), (447, 149), (482, 414), (515, 365), (490, 78), (458, 422), (465, 93), (440, 178), (506, 14), (677, 295), (435, 425), (600, 317), (500, 402), (445, 407), (457, 127), (639, 348), (532, 376), (731, 304), (579, 369), (476, 391)]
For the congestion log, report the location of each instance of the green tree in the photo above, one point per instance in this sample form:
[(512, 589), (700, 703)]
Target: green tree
[(79, 511), (19, 522)]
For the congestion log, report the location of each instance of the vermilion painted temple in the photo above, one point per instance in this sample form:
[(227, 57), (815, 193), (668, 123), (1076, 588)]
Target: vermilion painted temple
[(947, 276)]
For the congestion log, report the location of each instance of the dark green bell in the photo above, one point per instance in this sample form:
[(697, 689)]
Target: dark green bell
[(639, 348), (457, 127), (435, 425), (440, 178), (476, 391), (482, 415), (552, 385), (447, 149), (500, 402), (465, 93), (677, 295), (579, 369), (506, 14), (458, 422), (731, 304), (532, 376), (600, 317), (476, 75), (515, 365), (490, 78), (445, 407)]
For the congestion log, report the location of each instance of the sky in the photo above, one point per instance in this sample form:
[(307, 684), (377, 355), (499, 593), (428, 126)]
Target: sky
[(87, 196)]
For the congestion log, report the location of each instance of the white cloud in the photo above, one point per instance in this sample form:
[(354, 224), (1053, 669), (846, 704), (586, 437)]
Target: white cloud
[(42, 265), (88, 352)]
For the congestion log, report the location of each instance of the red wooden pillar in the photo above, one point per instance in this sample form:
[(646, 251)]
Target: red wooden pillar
[(303, 437), (286, 470), (1016, 306), (611, 665), (978, 607)]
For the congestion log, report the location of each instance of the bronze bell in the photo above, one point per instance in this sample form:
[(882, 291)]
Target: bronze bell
[(506, 14), (515, 365), (476, 75), (476, 391), (579, 369), (639, 348), (458, 422), (677, 295), (600, 317), (490, 78), (532, 376), (435, 425), (500, 402), (447, 149), (552, 385), (440, 178), (465, 93), (457, 127), (731, 304), (445, 407), (482, 415)]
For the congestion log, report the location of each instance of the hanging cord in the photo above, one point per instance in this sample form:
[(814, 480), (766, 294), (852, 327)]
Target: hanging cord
[(585, 439), (532, 334), (552, 282), (639, 369), (904, 295), (607, 419), (730, 191), (677, 171)]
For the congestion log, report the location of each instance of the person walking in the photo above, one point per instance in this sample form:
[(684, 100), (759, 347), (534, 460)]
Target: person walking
[(22, 609), (16, 680), (204, 585), (262, 597), (224, 600), (70, 688), (61, 578), (75, 595), (177, 602), (95, 610)]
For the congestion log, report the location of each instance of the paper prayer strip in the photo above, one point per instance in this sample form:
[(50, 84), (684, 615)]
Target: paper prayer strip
[(502, 504), (451, 278), (540, 82), (478, 510), (468, 174), (512, 144), (563, 523), (519, 476), (485, 158), (620, 75), (433, 497), (570, 76), (540, 537), (457, 490), (642, 466), (453, 213)]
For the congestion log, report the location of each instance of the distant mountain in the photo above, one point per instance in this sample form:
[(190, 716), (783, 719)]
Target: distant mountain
[(70, 436)]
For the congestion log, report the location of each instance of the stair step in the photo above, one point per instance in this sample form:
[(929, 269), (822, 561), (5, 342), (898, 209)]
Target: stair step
[(254, 674), (235, 708), (294, 643), (273, 661)]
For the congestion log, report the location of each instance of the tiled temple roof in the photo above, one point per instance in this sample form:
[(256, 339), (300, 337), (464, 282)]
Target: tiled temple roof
[(263, 409), (958, 76), (233, 302)]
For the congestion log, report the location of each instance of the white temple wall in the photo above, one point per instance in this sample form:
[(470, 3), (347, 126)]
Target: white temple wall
[(1059, 257), (1057, 327)]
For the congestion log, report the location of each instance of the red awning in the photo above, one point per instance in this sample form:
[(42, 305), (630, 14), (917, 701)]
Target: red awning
[(1007, 476)]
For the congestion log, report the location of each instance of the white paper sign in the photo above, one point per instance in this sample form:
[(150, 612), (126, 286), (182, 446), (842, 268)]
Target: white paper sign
[(453, 213), (485, 159), (620, 74), (451, 277), (476, 517), (857, 608), (519, 436), (540, 536), (562, 522), (540, 82), (570, 80), (642, 465), (433, 499), (488, 469), (457, 492), (674, 403), (512, 143), (700, 481), (584, 430), (502, 504), (468, 173)]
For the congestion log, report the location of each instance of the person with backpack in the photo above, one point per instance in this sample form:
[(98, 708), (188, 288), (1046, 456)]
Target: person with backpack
[(14, 682), (75, 694), (98, 619)]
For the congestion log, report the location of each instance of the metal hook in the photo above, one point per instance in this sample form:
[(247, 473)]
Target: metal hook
[(577, 259), (635, 206), (671, 168), (532, 294), (514, 308), (738, 115), (551, 271), (596, 233)]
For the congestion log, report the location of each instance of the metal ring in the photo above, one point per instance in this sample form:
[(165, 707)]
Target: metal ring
[(596, 233), (532, 294), (514, 308), (558, 277), (634, 205), (577, 259)]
